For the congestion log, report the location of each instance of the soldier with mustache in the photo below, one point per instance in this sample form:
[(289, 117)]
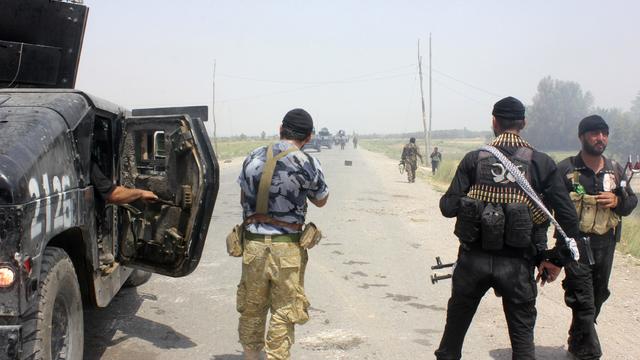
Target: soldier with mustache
[(598, 187)]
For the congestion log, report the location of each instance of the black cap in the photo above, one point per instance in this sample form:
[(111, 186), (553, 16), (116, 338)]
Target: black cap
[(509, 108), (591, 123), (298, 121)]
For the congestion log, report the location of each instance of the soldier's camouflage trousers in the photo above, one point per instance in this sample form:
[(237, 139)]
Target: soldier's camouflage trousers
[(410, 166), (272, 279)]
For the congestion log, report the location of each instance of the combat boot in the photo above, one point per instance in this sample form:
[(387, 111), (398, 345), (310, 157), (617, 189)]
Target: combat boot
[(251, 354)]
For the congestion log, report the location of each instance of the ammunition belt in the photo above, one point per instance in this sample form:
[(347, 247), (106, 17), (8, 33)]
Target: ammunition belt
[(501, 195)]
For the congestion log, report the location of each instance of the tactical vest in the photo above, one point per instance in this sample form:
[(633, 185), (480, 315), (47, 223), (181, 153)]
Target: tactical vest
[(496, 210), (594, 218), (494, 184)]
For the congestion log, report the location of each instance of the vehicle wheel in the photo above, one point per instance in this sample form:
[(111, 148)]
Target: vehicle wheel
[(53, 327), (137, 278)]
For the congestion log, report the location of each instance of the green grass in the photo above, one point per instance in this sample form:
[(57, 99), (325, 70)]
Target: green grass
[(630, 241), (229, 149)]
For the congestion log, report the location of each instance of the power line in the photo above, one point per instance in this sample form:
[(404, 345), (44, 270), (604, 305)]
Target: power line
[(313, 86), (458, 92), (348, 79), (467, 84)]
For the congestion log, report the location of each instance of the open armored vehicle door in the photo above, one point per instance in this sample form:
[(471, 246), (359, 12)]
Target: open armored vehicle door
[(172, 156)]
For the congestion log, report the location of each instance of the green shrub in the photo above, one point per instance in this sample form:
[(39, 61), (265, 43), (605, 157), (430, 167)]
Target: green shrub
[(229, 149), (630, 241)]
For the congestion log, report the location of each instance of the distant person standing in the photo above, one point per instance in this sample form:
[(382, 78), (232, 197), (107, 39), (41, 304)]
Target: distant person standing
[(436, 158), (410, 154), (355, 141), (597, 186)]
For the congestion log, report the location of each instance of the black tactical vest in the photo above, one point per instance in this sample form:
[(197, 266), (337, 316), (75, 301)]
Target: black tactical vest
[(494, 184)]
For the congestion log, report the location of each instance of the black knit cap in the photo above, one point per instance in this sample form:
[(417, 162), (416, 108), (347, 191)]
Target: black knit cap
[(509, 108), (591, 123), (298, 121)]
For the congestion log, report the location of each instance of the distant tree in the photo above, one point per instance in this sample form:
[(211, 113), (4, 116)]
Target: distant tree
[(624, 139), (263, 135), (621, 134), (634, 113), (552, 119)]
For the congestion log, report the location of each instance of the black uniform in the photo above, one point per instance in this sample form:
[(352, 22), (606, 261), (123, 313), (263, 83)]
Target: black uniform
[(502, 262), (586, 287)]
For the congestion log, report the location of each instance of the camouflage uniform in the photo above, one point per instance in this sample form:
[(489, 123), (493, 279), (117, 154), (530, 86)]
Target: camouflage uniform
[(273, 272), (410, 155)]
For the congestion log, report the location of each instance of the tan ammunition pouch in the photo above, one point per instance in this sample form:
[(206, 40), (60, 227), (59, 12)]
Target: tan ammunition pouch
[(311, 236), (593, 218), (234, 241)]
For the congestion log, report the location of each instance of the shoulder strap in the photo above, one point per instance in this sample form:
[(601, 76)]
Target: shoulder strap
[(526, 187), (262, 206)]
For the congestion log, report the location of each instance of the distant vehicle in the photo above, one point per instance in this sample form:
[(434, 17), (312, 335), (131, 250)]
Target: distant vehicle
[(341, 139), (314, 143), (325, 138)]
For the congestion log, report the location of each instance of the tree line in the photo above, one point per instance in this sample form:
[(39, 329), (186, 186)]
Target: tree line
[(558, 107)]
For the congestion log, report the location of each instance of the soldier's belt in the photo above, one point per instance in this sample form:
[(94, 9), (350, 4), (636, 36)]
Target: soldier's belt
[(265, 219), (283, 238)]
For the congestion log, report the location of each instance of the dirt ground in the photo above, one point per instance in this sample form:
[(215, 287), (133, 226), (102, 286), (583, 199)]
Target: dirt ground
[(368, 283)]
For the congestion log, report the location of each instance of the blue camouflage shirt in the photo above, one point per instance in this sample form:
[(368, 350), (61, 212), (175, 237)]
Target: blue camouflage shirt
[(297, 176)]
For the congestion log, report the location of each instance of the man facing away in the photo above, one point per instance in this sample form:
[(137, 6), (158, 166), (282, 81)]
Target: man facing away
[(410, 154), (502, 233), (436, 158), (273, 263), (596, 184)]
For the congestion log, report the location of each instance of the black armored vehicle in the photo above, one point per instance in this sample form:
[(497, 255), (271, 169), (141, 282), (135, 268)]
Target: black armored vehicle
[(325, 138), (62, 248)]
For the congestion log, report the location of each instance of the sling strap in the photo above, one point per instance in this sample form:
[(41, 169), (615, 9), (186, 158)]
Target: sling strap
[(262, 205), (526, 187)]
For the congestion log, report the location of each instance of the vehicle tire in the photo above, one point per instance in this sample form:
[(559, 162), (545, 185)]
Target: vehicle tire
[(53, 326), (137, 278)]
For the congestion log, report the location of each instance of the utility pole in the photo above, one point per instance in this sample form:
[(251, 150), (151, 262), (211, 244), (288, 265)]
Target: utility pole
[(430, 103), (424, 116), (213, 110)]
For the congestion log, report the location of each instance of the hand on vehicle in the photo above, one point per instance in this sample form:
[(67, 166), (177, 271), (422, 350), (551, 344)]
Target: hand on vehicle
[(547, 272), (148, 196), (607, 199)]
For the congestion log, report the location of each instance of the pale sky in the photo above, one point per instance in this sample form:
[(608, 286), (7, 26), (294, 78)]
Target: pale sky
[(353, 64)]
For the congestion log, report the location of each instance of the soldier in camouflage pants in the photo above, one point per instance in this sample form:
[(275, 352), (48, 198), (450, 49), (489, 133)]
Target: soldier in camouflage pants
[(273, 263), (409, 157)]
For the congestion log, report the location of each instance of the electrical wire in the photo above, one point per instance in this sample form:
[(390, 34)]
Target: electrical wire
[(345, 80), (458, 92), (19, 66), (311, 86), (466, 83)]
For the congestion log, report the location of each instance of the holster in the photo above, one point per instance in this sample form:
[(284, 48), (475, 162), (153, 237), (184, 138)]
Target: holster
[(492, 227), (519, 225), (467, 227), (235, 241), (310, 236)]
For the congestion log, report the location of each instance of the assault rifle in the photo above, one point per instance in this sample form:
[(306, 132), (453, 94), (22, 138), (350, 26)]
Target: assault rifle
[(439, 265)]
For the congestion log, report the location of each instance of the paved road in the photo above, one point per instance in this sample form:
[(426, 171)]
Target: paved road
[(367, 282)]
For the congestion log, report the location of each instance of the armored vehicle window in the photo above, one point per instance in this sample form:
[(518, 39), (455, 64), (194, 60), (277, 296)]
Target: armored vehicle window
[(158, 145)]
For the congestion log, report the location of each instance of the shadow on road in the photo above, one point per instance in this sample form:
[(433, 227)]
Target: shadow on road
[(542, 353), (227, 357), (118, 322)]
